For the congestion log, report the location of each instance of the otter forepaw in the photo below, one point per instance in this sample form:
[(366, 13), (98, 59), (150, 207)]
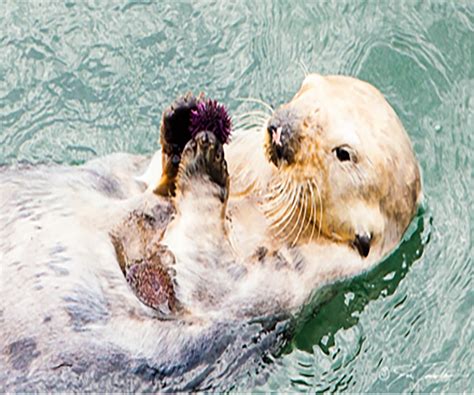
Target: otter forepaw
[(176, 120), (203, 159), (174, 135)]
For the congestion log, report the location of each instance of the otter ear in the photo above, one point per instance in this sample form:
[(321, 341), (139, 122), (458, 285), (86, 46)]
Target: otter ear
[(362, 243)]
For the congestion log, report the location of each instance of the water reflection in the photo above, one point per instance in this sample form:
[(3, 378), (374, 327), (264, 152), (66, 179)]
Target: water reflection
[(328, 335), (347, 300)]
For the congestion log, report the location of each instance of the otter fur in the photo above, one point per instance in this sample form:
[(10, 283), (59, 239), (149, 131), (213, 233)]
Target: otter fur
[(238, 238)]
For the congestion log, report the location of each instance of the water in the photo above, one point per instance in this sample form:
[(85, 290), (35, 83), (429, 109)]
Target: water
[(83, 79)]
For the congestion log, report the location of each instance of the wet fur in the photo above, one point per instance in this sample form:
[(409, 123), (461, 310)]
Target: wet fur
[(70, 319)]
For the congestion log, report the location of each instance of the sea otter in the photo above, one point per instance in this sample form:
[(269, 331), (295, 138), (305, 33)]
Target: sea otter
[(237, 239)]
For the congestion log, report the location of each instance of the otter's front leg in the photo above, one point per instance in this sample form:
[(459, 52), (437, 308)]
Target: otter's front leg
[(202, 187), (174, 135), (192, 242)]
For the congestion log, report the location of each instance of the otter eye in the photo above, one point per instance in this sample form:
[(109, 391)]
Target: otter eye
[(342, 154)]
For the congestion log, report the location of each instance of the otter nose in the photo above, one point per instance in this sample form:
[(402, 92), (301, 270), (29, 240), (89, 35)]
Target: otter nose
[(275, 134), (281, 125), (282, 129), (279, 133)]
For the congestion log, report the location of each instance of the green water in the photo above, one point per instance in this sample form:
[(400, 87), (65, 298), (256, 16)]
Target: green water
[(83, 79)]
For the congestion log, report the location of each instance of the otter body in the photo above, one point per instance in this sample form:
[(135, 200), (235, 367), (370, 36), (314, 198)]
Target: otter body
[(69, 319), (323, 190)]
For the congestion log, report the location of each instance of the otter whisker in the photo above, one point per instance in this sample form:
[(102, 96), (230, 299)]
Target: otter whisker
[(303, 212), (303, 66), (293, 215), (285, 210), (313, 211), (296, 205), (259, 101), (288, 218), (276, 191), (322, 209), (279, 207), (281, 220), (252, 119), (280, 203), (252, 113), (298, 208), (258, 125), (312, 221), (310, 206)]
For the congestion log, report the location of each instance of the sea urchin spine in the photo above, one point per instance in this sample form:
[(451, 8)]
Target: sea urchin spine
[(213, 117)]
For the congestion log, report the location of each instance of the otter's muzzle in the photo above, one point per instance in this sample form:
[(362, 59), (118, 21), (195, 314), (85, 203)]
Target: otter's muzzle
[(282, 137)]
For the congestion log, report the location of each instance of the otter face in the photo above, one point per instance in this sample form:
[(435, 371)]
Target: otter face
[(346, 165)]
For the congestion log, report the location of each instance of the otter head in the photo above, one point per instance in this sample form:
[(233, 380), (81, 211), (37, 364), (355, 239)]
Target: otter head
[(345, 167)]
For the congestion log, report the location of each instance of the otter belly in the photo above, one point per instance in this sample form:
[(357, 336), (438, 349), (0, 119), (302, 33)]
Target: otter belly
[(59, 279), (69, 319), (58, 273)]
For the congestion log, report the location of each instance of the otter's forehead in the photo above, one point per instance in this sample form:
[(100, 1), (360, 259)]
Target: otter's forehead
[(342, 131), (346, 95), (349, 111)]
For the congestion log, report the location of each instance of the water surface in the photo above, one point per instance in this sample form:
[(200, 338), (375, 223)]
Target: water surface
[(82, 79)]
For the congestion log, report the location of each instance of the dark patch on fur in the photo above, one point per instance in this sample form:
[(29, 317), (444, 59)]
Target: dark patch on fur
[(56, 269), (58, 249), (237, 271), (7, 247), (86, 307), (261, 253), (113, 361), (107, 185), (298, 260), (211, 361), (162, 214), (58, 259), (279, 260), (22, 352), (119, 251), (23, 214)]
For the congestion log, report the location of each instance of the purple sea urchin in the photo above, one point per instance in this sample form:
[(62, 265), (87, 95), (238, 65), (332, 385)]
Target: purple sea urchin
[(211, 116)]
